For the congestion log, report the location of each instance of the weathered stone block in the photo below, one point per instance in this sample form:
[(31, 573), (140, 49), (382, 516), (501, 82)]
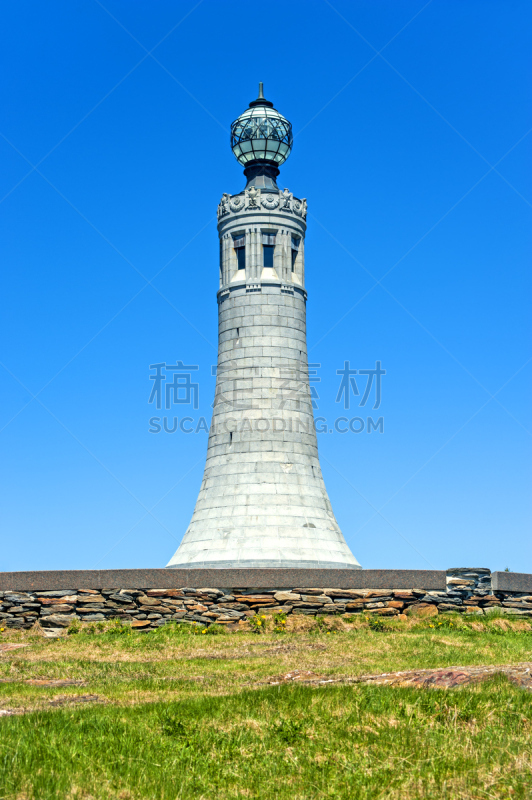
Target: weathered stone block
[(284, 596), (62, 608), (91, 599), (460, 582), (316, 598), (355, 606), (58, 620)]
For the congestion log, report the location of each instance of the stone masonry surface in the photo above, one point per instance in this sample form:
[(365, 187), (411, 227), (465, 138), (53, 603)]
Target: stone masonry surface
[(223, 578), (263, 501), (469, 591), (512, 581)]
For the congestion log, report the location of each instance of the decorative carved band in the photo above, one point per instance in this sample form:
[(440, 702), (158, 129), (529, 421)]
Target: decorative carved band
[(253, 199), (236, 203), (269, 201)]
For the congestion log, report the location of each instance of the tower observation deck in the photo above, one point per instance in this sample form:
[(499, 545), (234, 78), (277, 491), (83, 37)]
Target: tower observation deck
[(262, 501)]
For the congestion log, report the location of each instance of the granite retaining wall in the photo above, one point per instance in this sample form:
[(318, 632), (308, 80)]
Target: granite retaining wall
[(221, 578), (227, 601)]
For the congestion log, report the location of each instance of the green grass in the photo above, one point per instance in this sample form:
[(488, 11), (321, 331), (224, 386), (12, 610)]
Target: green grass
[(172, 715), (284, 742)]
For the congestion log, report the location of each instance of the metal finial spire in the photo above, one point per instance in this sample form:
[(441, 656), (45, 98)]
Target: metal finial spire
[(261, 100)]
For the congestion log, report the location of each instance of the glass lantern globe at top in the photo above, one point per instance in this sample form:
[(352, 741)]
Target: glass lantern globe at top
[(261, 134)]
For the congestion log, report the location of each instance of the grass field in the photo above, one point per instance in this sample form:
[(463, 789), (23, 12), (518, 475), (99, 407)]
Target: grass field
[(178, 714)]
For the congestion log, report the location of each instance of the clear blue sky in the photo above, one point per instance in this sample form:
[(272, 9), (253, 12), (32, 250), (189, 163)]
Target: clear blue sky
[(412, 147)]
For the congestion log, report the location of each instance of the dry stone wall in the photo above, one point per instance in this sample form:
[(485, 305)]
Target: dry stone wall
[(469, 591)]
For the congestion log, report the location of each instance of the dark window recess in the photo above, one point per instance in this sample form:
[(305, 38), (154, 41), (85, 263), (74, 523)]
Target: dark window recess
[(268, 245), (241, 257), (268, 254), (295, 250), (239, 243), (294, 256)]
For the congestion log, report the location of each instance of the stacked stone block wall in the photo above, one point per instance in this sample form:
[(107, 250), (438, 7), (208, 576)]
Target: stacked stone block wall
[(469, 591)]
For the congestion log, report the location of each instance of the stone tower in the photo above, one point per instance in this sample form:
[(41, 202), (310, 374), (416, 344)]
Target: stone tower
[(262, 502)]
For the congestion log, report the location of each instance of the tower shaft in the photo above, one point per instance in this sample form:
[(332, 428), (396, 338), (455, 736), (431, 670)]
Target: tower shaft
[(263, 501)]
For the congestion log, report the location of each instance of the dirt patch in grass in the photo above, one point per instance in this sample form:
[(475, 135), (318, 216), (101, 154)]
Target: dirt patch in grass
[(5, 647), (64, 700), (518, 674), (449, 678), (53, 683)]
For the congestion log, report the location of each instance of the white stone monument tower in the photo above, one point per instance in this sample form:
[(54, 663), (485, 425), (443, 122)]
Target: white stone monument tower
[(262, 502)]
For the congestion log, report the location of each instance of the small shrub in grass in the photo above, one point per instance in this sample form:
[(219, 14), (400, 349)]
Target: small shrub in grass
[(215, 630), (443, 622), (195, 628), (353, 619), (447, 623), (172, 726), (279, 622), (183, 628), (114, 627), (494, 612), (118, 628), (92, 628), (378, 624), (174, 629), (258, 623), (288, 730), (323, 625), (74, 627)]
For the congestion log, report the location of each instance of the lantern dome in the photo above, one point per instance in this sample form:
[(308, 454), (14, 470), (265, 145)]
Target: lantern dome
[(261, 134)]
